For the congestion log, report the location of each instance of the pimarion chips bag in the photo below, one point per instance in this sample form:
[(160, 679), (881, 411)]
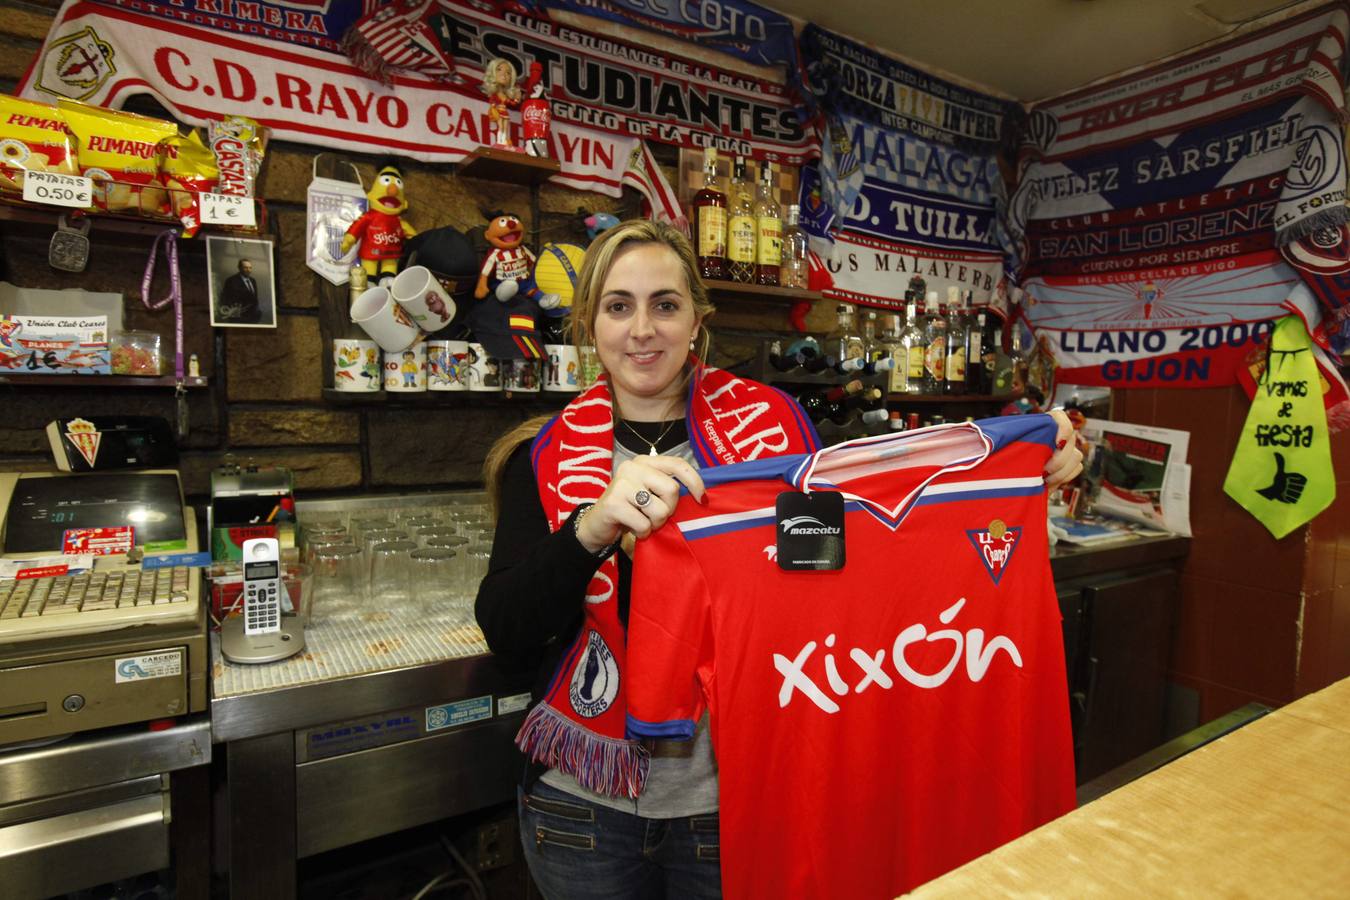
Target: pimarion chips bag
[(187, 168), (120, 152), (33, 138)]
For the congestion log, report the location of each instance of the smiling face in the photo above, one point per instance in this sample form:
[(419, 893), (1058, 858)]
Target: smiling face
[(504, 232), (643, 323), (386, 194)]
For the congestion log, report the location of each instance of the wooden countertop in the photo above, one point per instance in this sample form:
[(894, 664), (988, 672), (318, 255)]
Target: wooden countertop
[(1264, 811)]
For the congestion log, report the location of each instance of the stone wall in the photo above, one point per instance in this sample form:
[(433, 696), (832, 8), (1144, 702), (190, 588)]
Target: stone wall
[(265, 400)]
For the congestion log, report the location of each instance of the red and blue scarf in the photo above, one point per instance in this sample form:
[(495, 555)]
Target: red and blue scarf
[(578, 726)]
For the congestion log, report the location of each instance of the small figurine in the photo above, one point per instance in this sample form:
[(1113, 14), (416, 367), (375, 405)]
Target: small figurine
[(499, 85), (535, 115), (509, 262), (381, 230), (599, 222)]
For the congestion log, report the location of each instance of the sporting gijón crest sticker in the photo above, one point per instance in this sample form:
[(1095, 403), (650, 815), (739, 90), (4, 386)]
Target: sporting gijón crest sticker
[(995, 545)]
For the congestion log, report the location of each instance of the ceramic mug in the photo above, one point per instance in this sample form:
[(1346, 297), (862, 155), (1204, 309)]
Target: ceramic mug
[(405, 371), (482, 373), (562, 369), (423, 299), (446, 363), (384, 320), (521, 375), (356, 365)]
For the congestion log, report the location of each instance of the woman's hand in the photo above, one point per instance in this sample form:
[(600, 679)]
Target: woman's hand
[(1068, 459), (617, 511)]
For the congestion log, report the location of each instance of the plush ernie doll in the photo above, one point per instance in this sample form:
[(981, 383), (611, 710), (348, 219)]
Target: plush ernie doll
[(509, 262), (381, 229)]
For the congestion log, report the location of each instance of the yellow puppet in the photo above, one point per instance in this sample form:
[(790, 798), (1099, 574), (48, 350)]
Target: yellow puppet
[(381, 229)]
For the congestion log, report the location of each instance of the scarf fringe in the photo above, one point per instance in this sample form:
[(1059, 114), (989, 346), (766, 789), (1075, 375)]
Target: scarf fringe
[(1334, 217), (615, 768), (365, 57)]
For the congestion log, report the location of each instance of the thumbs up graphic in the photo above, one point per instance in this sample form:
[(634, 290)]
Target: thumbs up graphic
[(1287, 486)]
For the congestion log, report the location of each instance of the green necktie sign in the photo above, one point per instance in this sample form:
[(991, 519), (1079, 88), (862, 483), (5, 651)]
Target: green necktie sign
[(1281, 471)]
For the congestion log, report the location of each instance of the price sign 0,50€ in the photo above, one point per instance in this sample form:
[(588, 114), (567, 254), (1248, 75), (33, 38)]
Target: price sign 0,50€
[(58, 190), (227, 209)]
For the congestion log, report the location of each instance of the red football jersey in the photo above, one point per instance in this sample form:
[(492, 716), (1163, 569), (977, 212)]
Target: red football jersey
[(877, 725)]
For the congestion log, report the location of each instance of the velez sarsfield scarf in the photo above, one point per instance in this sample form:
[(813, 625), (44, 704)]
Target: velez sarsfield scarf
[(578, 726)]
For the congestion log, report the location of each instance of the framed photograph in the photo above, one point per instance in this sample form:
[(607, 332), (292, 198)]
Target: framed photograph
[(242, 281)]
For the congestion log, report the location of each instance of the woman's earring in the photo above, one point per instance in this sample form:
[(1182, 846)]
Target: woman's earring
[(691, 340)]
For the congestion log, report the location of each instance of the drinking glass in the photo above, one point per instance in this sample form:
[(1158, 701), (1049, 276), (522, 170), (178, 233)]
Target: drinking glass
[(375, 536), (422, 535), (433, 575), (475, 567), (391, 573), (364, 521), (316, 542), (339, 579)]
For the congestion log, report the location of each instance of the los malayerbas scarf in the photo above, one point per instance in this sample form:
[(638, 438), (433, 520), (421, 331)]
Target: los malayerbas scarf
[(578, 726)]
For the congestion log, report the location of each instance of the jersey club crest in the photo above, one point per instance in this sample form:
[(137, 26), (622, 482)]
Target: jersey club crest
[(995, 546)]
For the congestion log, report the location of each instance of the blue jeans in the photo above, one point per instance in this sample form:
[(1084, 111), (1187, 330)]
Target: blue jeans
[(577, 849)]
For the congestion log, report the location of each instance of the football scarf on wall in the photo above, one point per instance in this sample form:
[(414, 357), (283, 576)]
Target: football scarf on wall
[(1173, 326), (1281, 471), (1323, 260), (745, 30), (309, 23), (863, 269), (578, 727), (1196, 118)]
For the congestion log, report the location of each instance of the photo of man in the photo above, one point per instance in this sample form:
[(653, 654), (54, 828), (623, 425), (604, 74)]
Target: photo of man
[(240, 275)]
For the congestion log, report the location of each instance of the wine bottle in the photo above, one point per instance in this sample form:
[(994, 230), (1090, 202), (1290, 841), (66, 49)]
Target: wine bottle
[(768, 230), (955, 382), (710, 217), (741, 227)]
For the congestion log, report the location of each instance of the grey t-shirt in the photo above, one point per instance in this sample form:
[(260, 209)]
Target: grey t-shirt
[(682, 780)]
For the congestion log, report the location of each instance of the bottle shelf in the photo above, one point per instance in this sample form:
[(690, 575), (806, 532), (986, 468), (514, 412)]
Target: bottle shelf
[(494, 164), (949, 398), (745, 291), (120, 381), (444, 398)]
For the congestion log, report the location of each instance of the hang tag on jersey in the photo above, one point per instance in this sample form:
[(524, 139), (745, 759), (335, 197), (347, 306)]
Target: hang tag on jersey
[(810, 529)]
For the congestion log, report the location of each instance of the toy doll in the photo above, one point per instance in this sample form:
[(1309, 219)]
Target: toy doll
[(499, 85), (535, 115), (381, 229)]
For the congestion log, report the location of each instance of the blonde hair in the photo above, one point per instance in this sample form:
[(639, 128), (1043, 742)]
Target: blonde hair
[(600, 259), (494, 465)]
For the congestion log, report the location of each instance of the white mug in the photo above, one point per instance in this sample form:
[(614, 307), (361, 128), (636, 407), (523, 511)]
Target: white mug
[(446, 362), (356, 365), (405, 371), (422, 297), (482, 373), (384, 320), (521, 375), (562, 369)]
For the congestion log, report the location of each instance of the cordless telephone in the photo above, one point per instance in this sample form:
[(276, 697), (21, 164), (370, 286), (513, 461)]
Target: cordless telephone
[(262, 586)]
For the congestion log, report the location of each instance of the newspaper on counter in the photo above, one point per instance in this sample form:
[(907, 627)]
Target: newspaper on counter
[(1140, 473)]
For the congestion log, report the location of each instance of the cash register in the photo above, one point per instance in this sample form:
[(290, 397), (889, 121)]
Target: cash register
[(101, 619)]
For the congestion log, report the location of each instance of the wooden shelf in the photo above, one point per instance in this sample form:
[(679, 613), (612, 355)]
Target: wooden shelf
[(949, 398), (442, 398), (120, 381), (17, 211), (505, 165), (759, 292)]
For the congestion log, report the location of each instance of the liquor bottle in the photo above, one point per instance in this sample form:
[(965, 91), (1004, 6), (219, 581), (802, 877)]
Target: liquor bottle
[(819, 362), (896, 423), (956, 343), (843, 342), (768, 230), (872, 419), (871, 349), (916, 380), (741, 227), (917, 287), (976, 379), (1019, 358), (792, 272), (898, 378), (784, 362), (821, 404), (710, 216), (935, 347)]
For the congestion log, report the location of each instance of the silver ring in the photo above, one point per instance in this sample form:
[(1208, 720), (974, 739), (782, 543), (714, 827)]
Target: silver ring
[(642, 498)]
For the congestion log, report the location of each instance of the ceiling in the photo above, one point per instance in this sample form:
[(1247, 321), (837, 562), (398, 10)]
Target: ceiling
[(1031, 49)]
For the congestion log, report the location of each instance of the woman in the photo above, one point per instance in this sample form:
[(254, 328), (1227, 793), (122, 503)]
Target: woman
[(601, 817)]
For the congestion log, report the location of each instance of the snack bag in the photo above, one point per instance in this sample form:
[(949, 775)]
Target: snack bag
[(239, 144), (33, 137), (120, 152), (187, 168)]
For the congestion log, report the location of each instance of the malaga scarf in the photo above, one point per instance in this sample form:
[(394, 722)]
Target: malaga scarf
[(578, 727)]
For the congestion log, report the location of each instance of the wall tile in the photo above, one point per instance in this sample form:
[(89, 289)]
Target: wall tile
[(1315, 656), (297, 284), (1194, 622), (1253, 640), (437, 446), (314, 470), (273, 364), (256, 428)]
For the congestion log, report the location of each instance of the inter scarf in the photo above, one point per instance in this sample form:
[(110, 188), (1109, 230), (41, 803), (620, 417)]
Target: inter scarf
[(578, 726)]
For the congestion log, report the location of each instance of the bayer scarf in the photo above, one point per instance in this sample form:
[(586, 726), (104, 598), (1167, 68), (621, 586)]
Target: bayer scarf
[(578, 727)]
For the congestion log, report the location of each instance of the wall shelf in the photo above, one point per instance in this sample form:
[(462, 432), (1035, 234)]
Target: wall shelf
[(442, 398), (949, 398), (507, 165), (119, 381), (21, 213), (741, 290)]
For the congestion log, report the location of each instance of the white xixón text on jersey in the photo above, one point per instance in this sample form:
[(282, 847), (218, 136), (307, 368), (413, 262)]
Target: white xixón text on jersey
[(979, 657)]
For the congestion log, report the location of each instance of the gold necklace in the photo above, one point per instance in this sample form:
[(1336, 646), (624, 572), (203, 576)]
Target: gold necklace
[(652, 444)]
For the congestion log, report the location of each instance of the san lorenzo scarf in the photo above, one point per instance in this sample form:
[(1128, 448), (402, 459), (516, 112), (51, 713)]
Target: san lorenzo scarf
[(578, 727)]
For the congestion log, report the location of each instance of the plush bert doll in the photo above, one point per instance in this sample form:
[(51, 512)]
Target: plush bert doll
[(381, 229)]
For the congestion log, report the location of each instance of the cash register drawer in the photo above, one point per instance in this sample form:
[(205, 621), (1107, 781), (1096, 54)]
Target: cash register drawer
[(63, 696)]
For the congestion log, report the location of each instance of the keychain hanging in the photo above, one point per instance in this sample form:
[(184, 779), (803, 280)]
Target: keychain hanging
[(169, 237), (69, 247)]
